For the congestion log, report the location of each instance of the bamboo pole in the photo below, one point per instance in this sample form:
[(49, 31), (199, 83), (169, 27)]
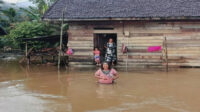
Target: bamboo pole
[(26, 48), (127, 55), (127, 49), (166, 54), (61, 37)]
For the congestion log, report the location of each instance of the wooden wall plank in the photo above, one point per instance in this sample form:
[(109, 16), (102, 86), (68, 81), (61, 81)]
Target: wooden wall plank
[(183, 40)]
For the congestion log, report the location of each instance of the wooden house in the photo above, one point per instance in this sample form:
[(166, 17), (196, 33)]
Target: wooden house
[(138, 24)]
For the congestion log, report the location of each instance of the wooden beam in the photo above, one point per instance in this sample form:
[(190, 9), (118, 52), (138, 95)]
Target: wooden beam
[(26, 49)]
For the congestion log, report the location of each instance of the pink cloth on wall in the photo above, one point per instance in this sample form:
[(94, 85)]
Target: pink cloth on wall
[(154, 48), (124, 49), (69, 51)]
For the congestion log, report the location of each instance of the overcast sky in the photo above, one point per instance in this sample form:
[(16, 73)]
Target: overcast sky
[(19, 2), (15, 1)]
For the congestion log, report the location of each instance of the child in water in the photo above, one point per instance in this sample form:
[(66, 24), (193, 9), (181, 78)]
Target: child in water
[(97, 56), (106, 74)]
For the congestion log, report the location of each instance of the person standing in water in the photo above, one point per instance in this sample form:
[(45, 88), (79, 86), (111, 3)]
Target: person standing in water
[(106, 74), (110, 55)]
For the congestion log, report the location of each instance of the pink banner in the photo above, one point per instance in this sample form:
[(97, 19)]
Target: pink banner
[(154, 48)]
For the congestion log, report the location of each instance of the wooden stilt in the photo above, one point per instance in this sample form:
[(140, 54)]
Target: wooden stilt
[(26, 48), (166, 54), (42, 59), (127, 48), (29, 59), (61, 36), (53, 58), (127, 56)]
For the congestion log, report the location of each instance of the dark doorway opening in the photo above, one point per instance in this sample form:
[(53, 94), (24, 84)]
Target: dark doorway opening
[(100, 40)]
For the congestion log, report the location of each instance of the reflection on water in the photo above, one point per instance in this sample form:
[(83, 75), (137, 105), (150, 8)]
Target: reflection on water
[(41, 88)]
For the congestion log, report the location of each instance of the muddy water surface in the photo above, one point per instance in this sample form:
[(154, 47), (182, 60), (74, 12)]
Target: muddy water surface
[(43, 89)]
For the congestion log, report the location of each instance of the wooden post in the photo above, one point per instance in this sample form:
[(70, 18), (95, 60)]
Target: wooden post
[(127, 55), (128, 35), (29, 59), (42, 59), (26, 48), (53, 59), (61, 36), (166, 54)]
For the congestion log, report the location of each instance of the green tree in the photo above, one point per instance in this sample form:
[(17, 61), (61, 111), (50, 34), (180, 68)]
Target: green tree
[(32, 13), (10, 13), (43, 5), (35, 13), (5, 42), (1, 2), (28, 30)]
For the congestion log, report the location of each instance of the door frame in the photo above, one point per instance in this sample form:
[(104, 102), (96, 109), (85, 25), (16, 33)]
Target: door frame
[(106, 35)]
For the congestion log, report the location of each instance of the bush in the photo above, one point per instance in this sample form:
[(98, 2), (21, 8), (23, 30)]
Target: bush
[(5, 42), (28, 30)]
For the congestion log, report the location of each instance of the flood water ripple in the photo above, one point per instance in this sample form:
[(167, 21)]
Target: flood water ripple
[(41, 88)]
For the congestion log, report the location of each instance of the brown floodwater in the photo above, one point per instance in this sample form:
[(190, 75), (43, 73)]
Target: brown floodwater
[(41, 88)]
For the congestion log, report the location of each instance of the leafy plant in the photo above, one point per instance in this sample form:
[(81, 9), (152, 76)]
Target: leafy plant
[(4, 41), (29, 30), (10, 13), (34, 28), (38, 12), (32, 13)]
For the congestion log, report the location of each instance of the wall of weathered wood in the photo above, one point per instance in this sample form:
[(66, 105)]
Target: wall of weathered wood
[(81, 41), (183, 41)]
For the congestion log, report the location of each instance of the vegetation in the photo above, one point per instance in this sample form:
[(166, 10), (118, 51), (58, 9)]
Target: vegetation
[(32, 13), (28, 30), (35, 13), (17, 29), (10, 13)]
